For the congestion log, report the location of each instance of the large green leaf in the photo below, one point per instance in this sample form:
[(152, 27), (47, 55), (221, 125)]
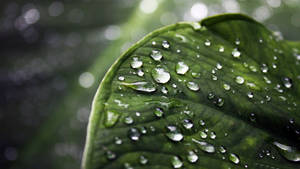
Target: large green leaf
[(222, 93)]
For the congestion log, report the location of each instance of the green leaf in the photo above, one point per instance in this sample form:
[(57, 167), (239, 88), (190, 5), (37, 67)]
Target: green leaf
[(222, 93)]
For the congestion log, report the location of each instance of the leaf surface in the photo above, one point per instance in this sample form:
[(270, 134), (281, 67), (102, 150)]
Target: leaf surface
[(222, 93)]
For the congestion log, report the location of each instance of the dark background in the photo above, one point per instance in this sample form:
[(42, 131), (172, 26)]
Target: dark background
[(55, 53)]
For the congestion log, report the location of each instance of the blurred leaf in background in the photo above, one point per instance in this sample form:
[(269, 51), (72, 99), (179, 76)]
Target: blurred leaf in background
[(55, 53)]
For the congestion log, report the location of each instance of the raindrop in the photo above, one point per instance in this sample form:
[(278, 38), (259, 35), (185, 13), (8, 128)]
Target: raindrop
[(176, 162), (158, 112), (110, 155), (134, 134), (214, 77), (193, 86), (235, 53), (204, 146), (181, 68), (143, 130), (136, 63), (234, 158), (210, 96), (165, 44), (160, 75), (202, 123), (192, 157), (128, 120), (207, 42), (156, 55), (143, 160), (239, 80), (226, 86), (288, 152), (174, 134), (253, 68), (188, 124), (252, 117), (287, 82)]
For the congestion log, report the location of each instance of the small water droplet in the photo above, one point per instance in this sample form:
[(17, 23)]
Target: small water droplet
[(219, 66), (201, 122), (160, 75), (239, 80), (127, 166), (264, 68), (110, 155), (193, 86), (176, 162), (204, 146), (234, 158), (140, 86), (235, 53), (250, 95), (143, 130), (128, 120), (111, 118), (164, 90), (140, 73), (136, 63), (165, 44), (174, 134), (226, 86), (196, 75), (252, 117), (143, 160), (134, 134), (222, 149), (203, 134), (118, 140), (287, 82), (210, 96), (221, 49), (192, 157), (156, 55), (288, 152), (213, 135), (158, 112), (121, 78), (237, 42), (181, 68), (207, 42), (253, 68), (188, 124)]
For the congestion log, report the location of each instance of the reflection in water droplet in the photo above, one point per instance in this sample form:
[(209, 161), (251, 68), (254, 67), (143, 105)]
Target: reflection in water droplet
[(239, 80), (165, 44), (134, 134), (176, 162), (160, 75), (156, 55), (181, 68), (234, 158), (204, 146), (136, 63), (174, 134), (287, 82), (143, 160), (158, 112), (193, 86), (192, 157), (235, 53), (288, 152)]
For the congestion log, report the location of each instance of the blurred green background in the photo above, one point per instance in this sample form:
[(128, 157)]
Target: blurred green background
[(55, 53)]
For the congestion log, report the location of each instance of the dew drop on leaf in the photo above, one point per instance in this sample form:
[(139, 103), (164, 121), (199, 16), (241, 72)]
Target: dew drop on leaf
[(110, 155), (212, 135), (221, 49), (264, 68), (204, 146), (192, 157), (203, 134), (158, 112), (136, 63), (111, 118), (118, 140), (207, 42), (222, 149), (250, 95), (174, 134), (193, 86), (160, 75), (287, 82), (239, 80), (235, 53), (234, 158), (187, 124), (143, 160), (134, 134), (128, 120), (226, 86), (181, 68), (140, 86), (165, 44), (156, 55), (176, 162)]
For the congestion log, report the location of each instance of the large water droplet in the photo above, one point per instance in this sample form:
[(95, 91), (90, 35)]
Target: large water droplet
[(140, 86), (111, 118), (239, 80), (136, 63), (143, 160), (156, 55), (160, 75), (204, 146), (176, 162), (287, 82), (188, 124), (134, 134), (174, 134), (288, 152), (192, 157), (193, 86), (158, 112), (165, 44), (181, 68), (234, 158), (235, 53)]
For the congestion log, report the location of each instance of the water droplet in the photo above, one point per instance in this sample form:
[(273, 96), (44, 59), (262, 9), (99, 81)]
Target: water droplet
[(239, 80), (156, 55), (181, 68), (250, 95), (121, 78), (140, 86), (188, 124), (128, 120), (111, 118), (136, 63), (204, 146), (288, 152), (127, 166), (176, 162), (118, 140), (143, 160), (110, 155), (192, 157), (234, 158), (160, 75), (164, 90), (153, 43), (264, 68), (193, 86), (143, 130), (158, 112), (253, 68), (140, 73), (134, 134), (201, 122), (196, 75), (219, 66), (214, 77), (221, 49), (210, 96), (235, 53), (174, 134), (165, 44), (213, 135), (203, 134), (222, 149), (237, 42), (220, 102), (252, 117), (226, 86), (287, 82), (207, 42)]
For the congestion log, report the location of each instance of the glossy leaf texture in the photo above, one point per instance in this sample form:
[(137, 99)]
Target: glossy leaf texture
[(221, 93)]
